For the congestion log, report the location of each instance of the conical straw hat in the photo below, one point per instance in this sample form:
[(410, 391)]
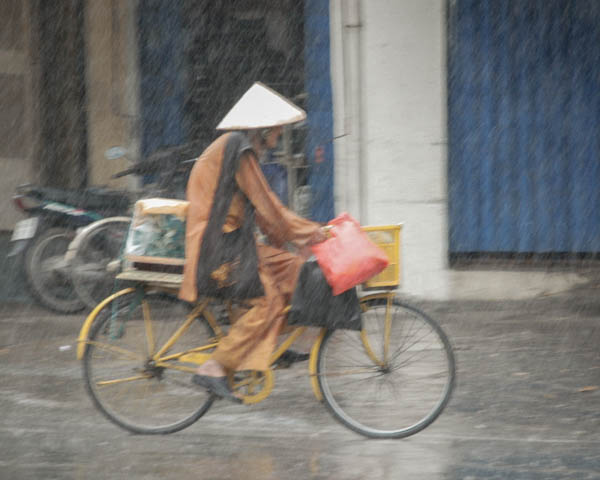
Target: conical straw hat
[(261, 107)]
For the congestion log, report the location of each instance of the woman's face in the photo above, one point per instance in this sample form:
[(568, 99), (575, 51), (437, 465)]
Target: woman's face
[(272, 137)]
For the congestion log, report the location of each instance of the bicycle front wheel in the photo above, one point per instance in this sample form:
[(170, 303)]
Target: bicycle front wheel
[(135, 381), (393, 378)]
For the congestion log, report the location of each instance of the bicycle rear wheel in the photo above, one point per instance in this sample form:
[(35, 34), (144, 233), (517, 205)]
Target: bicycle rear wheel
[(128, 383), (387, 389)]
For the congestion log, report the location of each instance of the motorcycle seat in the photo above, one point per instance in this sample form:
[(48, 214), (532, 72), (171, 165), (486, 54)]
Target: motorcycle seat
[(98, 199)]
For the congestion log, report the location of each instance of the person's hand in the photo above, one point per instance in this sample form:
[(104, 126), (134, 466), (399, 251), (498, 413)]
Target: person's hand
[(319, 236)]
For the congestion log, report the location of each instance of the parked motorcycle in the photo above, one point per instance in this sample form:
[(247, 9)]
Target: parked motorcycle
[(93, 256), (42, 239)]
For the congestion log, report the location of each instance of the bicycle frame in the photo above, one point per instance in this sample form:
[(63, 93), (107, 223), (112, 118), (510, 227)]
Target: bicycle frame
[(198, 354)]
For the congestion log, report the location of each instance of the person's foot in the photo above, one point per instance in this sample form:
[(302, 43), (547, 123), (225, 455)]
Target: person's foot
[(212, 376), (211, 368), (217, 386)]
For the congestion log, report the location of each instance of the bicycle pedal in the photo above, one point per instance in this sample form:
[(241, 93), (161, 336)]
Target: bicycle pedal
[(288, 358), (282, 365)]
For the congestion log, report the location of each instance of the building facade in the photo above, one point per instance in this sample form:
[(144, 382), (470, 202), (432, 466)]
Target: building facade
[(473, 123)]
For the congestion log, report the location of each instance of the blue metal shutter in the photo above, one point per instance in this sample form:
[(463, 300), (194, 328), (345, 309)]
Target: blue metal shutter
[(319, 144), (161, 71), (524, 119)]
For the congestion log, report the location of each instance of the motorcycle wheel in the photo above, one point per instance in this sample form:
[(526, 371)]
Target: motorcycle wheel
[(45, 270), (96, 256)]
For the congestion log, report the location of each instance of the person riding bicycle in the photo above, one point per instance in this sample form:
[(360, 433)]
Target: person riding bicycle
[(228, 195)]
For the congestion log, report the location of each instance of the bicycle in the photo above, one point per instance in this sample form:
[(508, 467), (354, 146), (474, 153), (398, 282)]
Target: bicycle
[(140, 346)]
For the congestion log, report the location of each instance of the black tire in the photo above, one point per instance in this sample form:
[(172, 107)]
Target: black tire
[(165, 400), (46, 273), (418, 376), (97, 251)]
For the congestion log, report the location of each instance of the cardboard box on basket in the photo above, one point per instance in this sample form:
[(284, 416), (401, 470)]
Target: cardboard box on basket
[(157, 232)]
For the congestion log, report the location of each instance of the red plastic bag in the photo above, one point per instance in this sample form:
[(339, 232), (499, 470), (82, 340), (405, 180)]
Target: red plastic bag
[(349, 257)]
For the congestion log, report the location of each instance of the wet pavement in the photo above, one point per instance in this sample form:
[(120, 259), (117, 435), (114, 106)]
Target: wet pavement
[(526, 406)]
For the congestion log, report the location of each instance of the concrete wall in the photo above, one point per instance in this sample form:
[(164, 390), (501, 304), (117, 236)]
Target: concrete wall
[(17, 105), (112, 82), (389, 80)]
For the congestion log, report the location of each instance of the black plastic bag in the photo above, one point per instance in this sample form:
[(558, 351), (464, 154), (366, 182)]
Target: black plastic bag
[(314, 305)]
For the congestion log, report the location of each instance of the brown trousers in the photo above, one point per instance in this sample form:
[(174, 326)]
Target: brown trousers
[(253, 336)]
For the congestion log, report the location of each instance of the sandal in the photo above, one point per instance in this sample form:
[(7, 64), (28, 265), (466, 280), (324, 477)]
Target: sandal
[(218, 386)]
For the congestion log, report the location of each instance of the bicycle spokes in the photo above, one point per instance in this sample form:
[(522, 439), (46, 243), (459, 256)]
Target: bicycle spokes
[(391, 379), (140, 379)]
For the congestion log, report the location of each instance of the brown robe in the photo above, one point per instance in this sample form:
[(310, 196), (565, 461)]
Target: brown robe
[(252, 338)]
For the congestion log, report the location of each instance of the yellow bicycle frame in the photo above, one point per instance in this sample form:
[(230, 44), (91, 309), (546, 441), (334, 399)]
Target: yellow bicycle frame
[(196, 355)]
